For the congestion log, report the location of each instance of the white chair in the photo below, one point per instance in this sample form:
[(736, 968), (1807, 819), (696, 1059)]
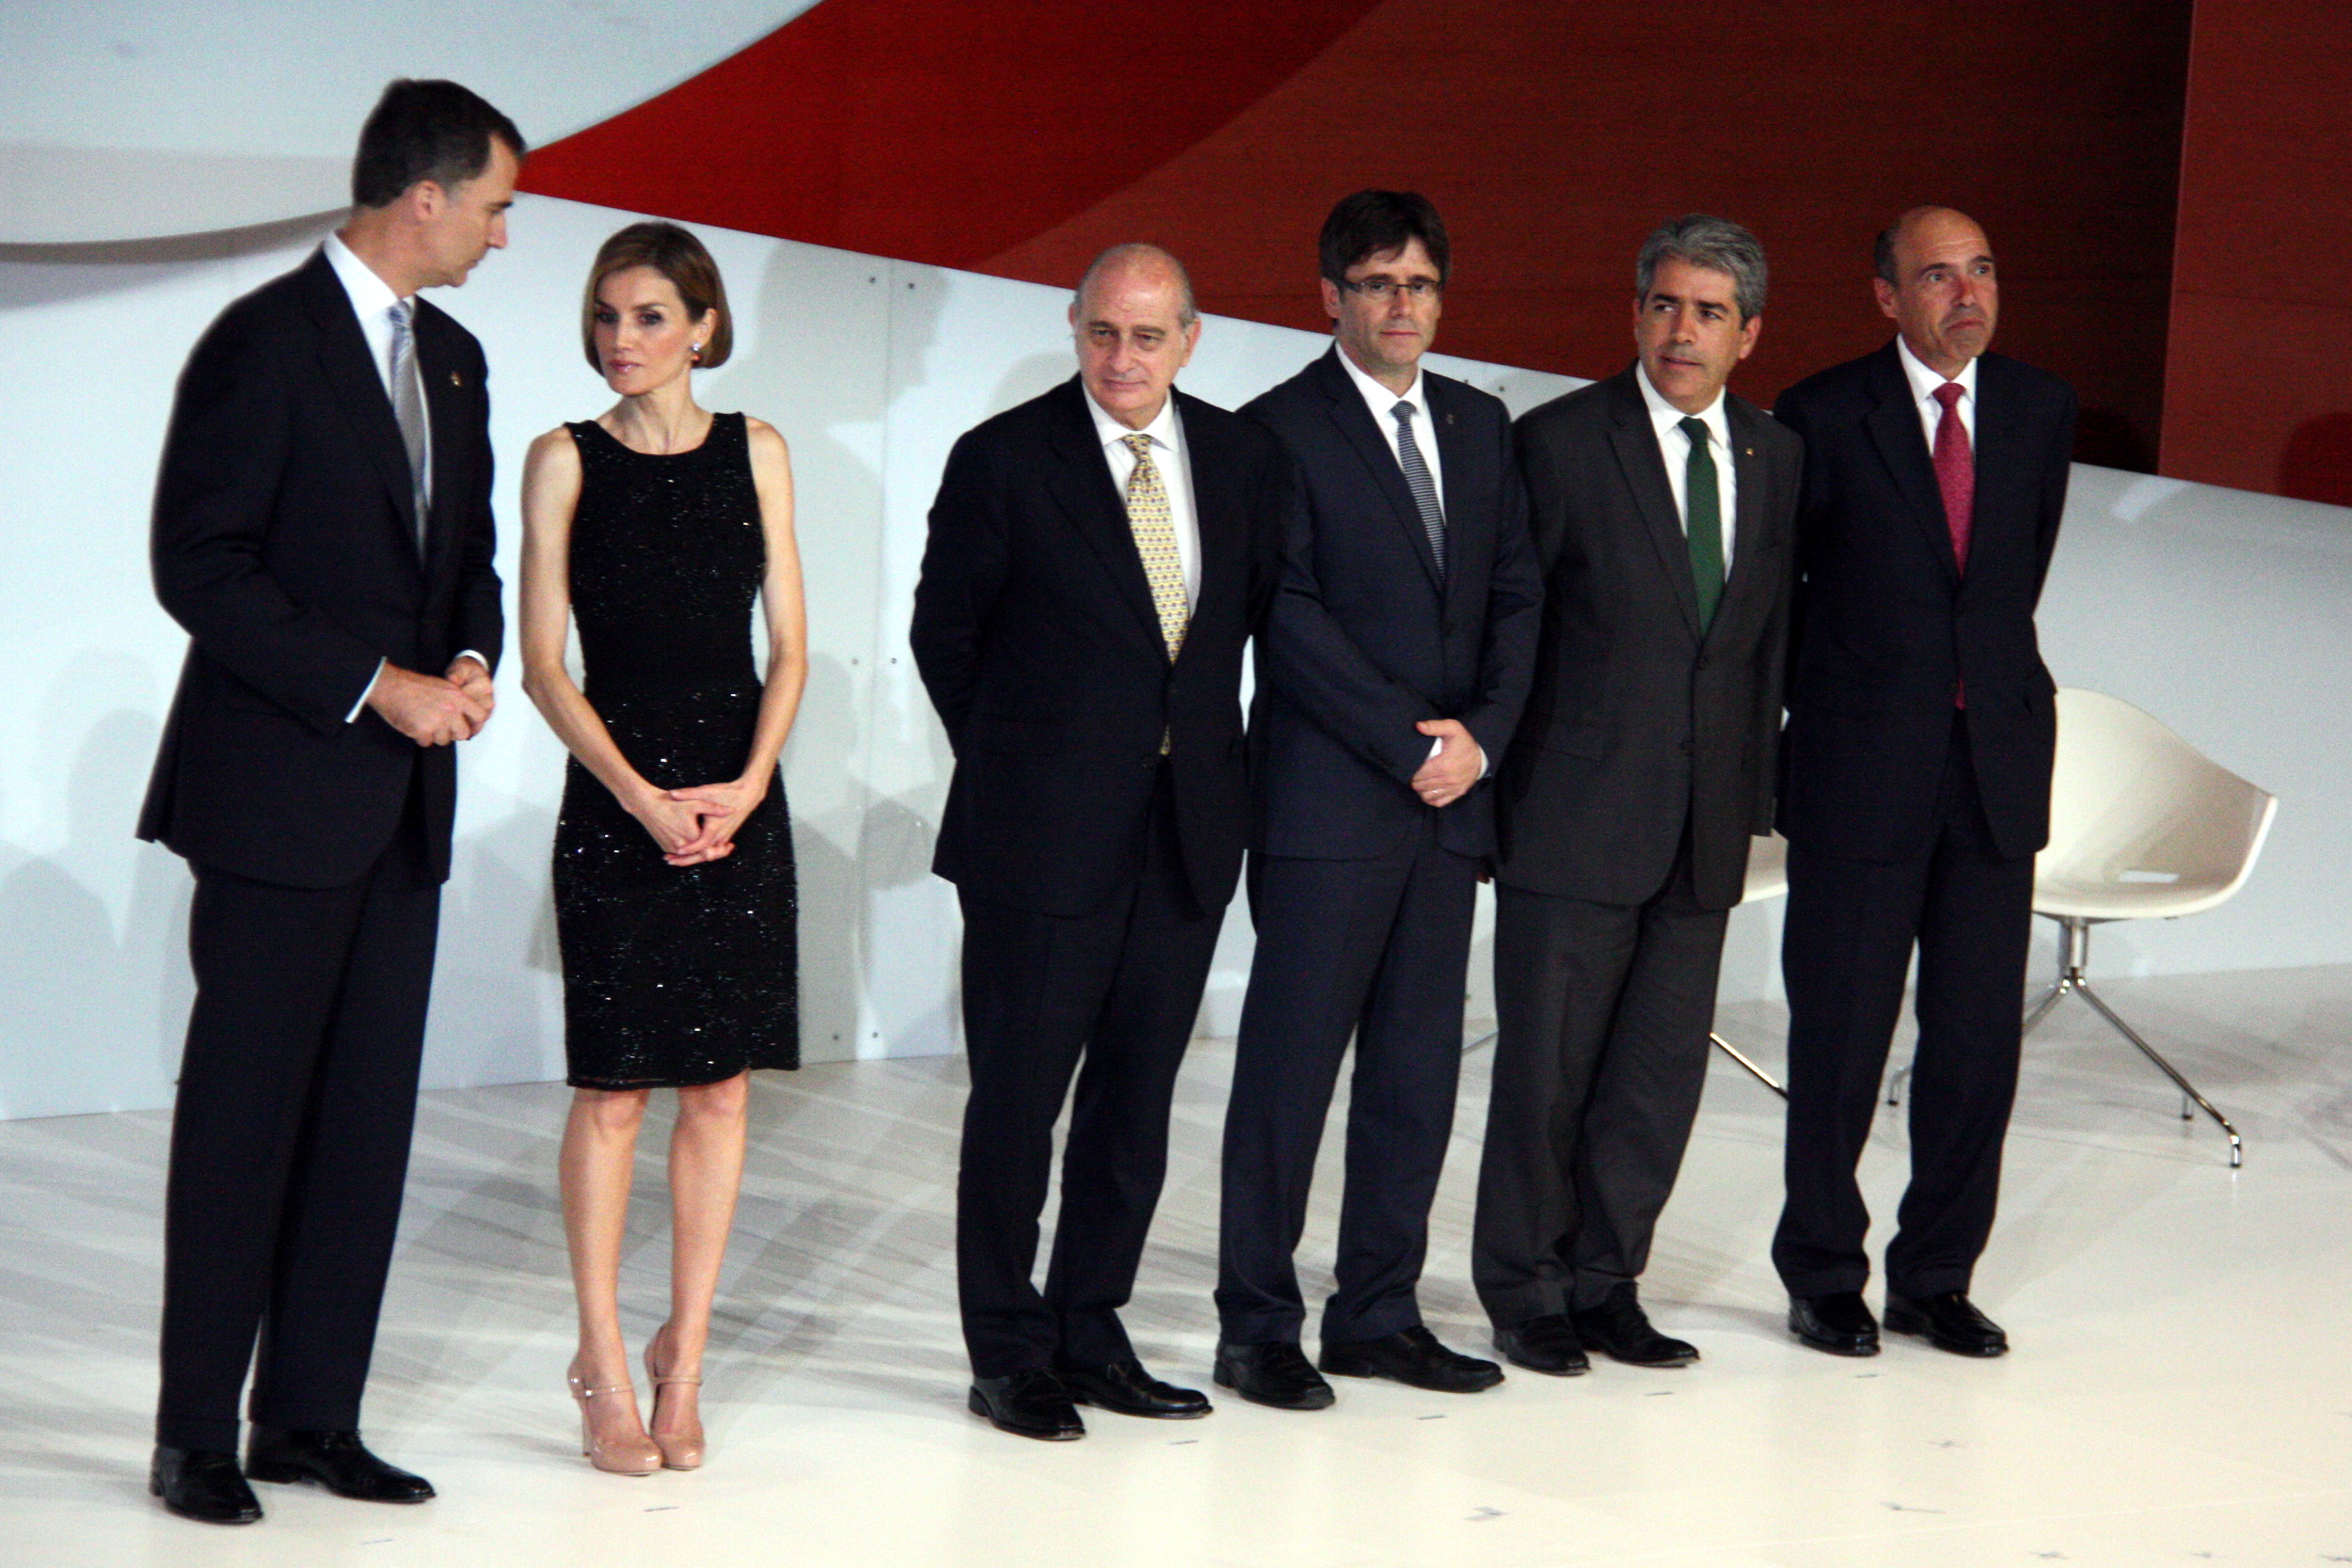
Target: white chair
[(2143, 825), (1768, 878)]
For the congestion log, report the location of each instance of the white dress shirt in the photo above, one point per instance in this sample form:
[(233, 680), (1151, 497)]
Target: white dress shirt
[(1675, 447), (371, 301), (1923, 385), (1381, 401), (1168, 456)]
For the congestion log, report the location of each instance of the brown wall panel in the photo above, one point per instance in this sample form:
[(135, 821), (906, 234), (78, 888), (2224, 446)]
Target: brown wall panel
[(1552, 137), (2257, 384)]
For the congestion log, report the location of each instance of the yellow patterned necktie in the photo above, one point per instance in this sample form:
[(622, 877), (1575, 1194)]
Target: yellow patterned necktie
[(1154, 527)]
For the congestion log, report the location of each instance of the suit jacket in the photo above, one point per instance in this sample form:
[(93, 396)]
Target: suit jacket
[(1035, 635), (284, 541), (1888, 626), (1366, 638), (1638, 722)]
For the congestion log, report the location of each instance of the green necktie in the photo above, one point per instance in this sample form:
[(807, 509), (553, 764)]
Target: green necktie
[(1703, 521)]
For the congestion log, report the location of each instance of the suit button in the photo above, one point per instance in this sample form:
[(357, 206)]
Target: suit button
[(1700, 663)]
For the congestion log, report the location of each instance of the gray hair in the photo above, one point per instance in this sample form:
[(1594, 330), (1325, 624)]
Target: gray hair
[(1716, 244), (1133, 254)]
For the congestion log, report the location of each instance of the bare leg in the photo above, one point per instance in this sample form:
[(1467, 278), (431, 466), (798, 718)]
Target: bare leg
[(706, 1174), (599, 1158)]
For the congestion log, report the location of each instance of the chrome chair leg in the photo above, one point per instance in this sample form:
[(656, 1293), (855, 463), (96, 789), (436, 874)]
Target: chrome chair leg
[(1756, 1072), (2073, 958), (2188, 1090)]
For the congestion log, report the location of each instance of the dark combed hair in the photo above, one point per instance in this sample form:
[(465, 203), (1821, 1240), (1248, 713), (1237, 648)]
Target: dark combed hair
[(676, 254), (435, 131), (1373, 223)]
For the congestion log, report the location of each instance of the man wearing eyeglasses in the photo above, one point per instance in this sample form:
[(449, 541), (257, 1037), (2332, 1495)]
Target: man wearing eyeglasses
[(1390, 677)]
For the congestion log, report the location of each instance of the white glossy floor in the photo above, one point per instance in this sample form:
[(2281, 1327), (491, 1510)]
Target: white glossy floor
[(2181, 1390)]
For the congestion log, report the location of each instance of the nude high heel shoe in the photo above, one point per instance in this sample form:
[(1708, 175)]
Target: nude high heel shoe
[(616, 1456), (684, 1450)]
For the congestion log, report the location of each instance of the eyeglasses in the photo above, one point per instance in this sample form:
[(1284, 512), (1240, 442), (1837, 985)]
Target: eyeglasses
[(1382, 288)]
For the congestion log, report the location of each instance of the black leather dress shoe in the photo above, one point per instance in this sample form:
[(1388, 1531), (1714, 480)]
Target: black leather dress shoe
[(335, 1460), (1125, 1387), (201, 1483), (1544, 1344), (1619, 1329), (1276, 1374), (1411, 1356), (1031, 1404), (1948, 1322), (1839, 1323)]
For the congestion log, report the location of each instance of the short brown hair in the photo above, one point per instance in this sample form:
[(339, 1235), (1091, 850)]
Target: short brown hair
[(676, 254)]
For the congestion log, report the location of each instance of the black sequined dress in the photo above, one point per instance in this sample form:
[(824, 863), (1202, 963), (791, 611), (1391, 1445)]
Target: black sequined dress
[(672, 976)]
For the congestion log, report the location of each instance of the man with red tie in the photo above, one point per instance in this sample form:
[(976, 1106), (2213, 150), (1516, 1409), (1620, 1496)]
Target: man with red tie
[(1915, 783)]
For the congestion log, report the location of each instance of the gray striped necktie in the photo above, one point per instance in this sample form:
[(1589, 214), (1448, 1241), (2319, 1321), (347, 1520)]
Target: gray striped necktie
[(1418, 481), (408, 391)]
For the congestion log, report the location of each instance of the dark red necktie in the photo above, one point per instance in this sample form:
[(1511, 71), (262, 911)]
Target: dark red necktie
[(1955, 471), (1956, 476)]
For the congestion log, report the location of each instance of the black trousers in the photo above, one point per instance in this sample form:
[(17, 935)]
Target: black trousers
[(290, 1143), (1111, 996), (1377, 949), (1844, 952), (1601, 1016)]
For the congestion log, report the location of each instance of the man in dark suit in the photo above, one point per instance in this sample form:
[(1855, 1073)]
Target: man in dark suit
[(1661, 507), (1098, 556), (1391, 671), (322, 531), (1916, 782)]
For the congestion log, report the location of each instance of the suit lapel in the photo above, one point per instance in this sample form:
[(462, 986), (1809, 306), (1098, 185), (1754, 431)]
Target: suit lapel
[(1749, 478), (1635, 442), (1217, 511), (1461, 466), (1081, 485), (1354, 418), (358, 387), (1894, 425), (1998, 451), (442, 395)]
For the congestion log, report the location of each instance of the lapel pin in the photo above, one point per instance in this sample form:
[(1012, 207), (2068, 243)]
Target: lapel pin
[(1745, 451), (456, 380)]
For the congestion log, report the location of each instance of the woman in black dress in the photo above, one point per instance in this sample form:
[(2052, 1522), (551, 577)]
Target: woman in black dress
[(654, 527)]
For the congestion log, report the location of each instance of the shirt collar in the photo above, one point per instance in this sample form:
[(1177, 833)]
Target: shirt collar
[(1667, 417), (1924, 381), (1163, 429), (1379, 398), (370, 294)]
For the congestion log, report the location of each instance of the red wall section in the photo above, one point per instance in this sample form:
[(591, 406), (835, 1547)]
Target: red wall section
[(1553, 136), (937, 131), (2258, 383), (1021, 139)]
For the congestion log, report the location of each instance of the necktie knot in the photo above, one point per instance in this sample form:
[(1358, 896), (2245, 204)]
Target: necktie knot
[(1139, 444), (1695, 428), (1403, 412), (1949, 395)]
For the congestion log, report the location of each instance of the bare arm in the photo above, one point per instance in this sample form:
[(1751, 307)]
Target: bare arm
[(726, 804), (550, 492)]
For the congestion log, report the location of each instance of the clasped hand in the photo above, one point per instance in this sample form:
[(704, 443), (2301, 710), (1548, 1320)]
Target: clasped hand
[(692, 826), (1448, 776), (435, 710)]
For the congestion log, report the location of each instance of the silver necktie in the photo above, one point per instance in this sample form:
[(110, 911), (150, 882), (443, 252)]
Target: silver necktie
[(1417, 479), (408, 408)]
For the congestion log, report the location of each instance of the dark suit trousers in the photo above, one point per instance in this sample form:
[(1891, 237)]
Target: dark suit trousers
[(289, 1142), (1378, 949), (1117, 991), (1601, 1016), (1844, 953)]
